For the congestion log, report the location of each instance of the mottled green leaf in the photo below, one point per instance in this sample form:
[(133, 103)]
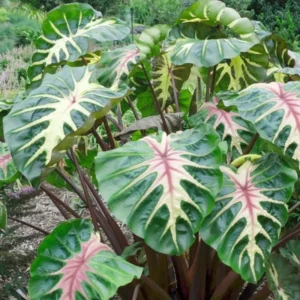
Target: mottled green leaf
[(274, 110), (66, 35), (249, 213), (39, 129), (72, 263), (163, 186), (231, 127)]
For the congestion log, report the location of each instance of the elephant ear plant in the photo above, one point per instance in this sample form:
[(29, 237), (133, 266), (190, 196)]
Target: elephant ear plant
[(182, 148)]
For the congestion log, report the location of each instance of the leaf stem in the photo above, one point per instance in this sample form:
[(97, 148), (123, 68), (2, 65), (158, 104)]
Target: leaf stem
[(71, 183), (59, 207), (111, 119), (132, 108), (109, 134), (59, 202), (99, 140), (85, 191), (29, 225), (119, 116), (161, 294), (156, 101), (251, 144), (293, 208)]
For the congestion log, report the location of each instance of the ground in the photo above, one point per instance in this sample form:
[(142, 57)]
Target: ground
[(19, 243)]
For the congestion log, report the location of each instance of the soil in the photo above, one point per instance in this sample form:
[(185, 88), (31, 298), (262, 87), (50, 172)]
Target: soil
[(19, 243)]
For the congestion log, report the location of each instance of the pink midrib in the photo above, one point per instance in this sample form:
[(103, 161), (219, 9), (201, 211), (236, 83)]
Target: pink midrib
[(3, 161)]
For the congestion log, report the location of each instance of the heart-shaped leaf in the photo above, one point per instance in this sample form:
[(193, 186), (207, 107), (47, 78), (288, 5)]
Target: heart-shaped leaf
[(117, 63), (8, 170), (229, 125), (3, 216), (274, 110), (66, 34), (72, 263), (41, 127), (207, 53), (163, 186), (249, 213)]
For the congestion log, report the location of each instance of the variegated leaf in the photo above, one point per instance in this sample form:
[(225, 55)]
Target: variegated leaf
[(274, 110), (283, 278), (151, 40), (164, 75), (73, 264), (241, 71), (249, 213), (66, 35), (231, 127), (207, 53), (163, 186), (8, 170), (39, 129), (117, 63)]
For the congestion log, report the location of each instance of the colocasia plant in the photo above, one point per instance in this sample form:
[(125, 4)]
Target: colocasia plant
[(189, 136)]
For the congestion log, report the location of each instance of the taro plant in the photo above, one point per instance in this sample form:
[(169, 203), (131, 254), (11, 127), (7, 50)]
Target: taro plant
[(189, 136)]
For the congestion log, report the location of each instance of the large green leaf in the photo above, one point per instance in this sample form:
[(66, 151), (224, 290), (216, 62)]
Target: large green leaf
[(3, 216), (41, 127), (249, 213), (66, 35), (8, 170), (117, 63), (274, 110), (72, 263), (151, 40), (207, 53), (204, 46), (214, 13), (163, 186), (283, 278), (231, 127), (165, 75)]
